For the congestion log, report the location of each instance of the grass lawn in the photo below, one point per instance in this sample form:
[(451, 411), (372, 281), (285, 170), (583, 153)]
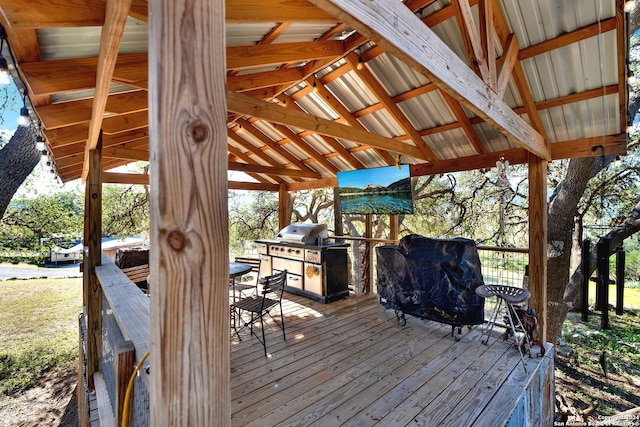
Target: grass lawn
[(631, 296), (38, 329)]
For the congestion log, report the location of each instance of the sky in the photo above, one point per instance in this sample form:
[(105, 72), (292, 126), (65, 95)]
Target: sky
[(41, 177), (10, 117), (382, 176)]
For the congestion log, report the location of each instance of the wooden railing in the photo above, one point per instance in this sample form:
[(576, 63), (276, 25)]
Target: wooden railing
[(125, 340)]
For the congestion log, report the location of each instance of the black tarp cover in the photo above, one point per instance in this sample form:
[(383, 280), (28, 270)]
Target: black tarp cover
[(432, 278)]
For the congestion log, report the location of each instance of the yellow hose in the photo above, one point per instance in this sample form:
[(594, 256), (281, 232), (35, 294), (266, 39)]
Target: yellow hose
[(127, 395)]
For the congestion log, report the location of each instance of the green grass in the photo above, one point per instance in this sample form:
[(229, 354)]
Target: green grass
[(38, 329), (631, 296), (580, 376)]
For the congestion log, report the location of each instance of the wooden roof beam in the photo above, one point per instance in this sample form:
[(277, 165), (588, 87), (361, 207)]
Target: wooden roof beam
[(239, 57), (332, 142), (243, 11), (345, 114), (397, 29), (125, 178), (116, 12), (42, 14), (247, 159), (245, 167), (245, 82), (614, 144), (463, 120), (255, 186), (304, 146), (271, 112), (275, 146), (380, 92), (74, 112)]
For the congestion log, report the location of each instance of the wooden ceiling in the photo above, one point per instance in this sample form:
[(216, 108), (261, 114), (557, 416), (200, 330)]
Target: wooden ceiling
[(313, 89)]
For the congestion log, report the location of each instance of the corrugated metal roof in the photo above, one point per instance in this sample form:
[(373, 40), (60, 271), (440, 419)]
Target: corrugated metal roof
[(551, 75)]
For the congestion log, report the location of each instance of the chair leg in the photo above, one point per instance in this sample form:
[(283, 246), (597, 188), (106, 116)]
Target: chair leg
[(264, 341), (282, 320)]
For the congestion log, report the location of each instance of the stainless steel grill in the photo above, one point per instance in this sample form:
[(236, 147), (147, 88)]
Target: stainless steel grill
[(307, 234), (316, 268)]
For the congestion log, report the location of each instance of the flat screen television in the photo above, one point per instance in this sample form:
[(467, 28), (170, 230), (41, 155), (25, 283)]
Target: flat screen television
[(384, 190)]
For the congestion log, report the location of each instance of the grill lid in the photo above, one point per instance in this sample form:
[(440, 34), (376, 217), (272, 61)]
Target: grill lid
[(308, 234)]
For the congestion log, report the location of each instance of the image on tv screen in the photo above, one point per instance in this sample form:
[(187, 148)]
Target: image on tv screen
[(385, 190)]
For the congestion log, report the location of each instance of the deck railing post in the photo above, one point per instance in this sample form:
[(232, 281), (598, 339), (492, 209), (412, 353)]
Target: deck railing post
[(620, 261), (603, 280), (584, 295), (125, 364)]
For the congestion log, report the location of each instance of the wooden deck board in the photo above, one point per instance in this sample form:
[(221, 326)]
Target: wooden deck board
[(350, 363)]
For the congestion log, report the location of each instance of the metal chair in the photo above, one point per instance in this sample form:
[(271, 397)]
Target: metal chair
[(260, 306), (511, 296)]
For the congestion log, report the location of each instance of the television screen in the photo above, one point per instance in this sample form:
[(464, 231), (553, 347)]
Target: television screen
[(385, 190)]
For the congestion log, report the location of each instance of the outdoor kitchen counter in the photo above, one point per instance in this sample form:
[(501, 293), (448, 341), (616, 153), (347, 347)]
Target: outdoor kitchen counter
[(314, 271)]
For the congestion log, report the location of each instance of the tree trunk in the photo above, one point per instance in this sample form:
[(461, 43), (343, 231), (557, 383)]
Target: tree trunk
[(630, 226), (17, 160), (563, 208)]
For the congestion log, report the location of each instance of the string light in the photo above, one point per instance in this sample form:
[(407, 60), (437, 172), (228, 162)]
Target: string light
[(4, 66), (24, 119), (629, 5)]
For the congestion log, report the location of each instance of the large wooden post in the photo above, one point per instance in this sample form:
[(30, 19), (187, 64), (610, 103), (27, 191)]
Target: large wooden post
[(538, 240), (92, 257), (393, 227), (189, 259), (337, 213), (284, 217)]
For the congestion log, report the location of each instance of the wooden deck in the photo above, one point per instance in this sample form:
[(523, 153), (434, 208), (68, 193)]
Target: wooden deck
[(350, 363)]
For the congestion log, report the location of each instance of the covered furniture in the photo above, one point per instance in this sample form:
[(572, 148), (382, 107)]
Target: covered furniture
[(433, 279)]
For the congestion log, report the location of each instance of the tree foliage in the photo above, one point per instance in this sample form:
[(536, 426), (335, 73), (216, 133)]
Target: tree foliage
[(125, 210), (28, 219)]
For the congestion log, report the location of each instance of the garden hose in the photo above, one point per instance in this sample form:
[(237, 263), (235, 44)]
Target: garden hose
[(127, 395)]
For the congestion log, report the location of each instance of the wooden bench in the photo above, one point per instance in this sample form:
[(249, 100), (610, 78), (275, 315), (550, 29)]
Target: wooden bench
[(137, 273)]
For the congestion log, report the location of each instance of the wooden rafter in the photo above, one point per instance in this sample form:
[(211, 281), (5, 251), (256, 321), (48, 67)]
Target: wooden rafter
[(116, 12), (271, 112), (239, 57), (392, 108), (394, 27), (275, 146)]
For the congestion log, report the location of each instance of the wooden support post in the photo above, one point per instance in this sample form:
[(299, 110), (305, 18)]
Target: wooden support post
[(284, 218), (337, 213), (84, 419), (366, 259), (393, 227), (538, 240), (584, 294), (604, 247), (92, 258), (189, 255), (125, 364), (620, 260)]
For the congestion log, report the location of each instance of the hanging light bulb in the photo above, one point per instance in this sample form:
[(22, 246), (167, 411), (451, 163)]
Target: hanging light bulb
[(629, 5), (40, 146), (360, 64), (4, 66), (24, 119), (4, 71)]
